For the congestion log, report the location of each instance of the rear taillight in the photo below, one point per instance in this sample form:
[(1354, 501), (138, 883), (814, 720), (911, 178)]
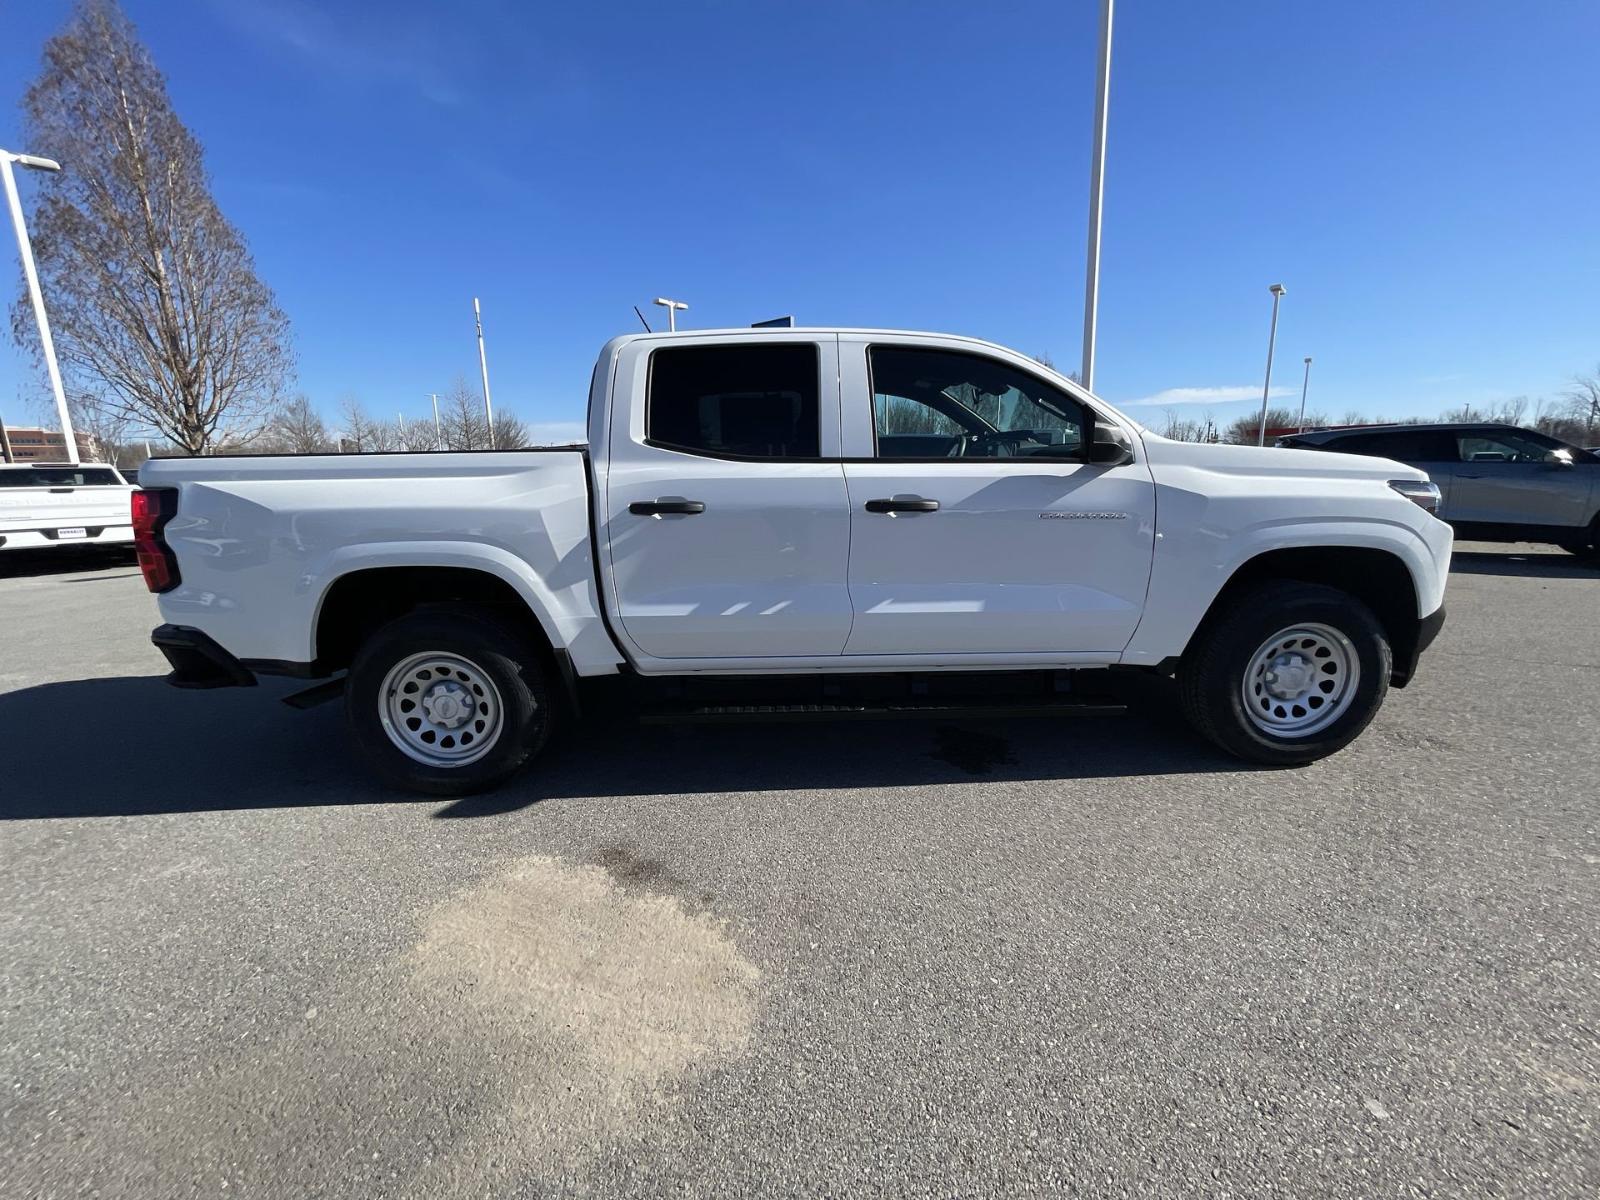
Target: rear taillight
[(152, 509)]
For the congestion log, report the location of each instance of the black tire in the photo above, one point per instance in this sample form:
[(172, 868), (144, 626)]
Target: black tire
[(1211, 675), (1587, 544), (501, 652)]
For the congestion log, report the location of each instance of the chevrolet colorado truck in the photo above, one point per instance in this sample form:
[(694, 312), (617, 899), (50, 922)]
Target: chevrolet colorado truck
[(54, 505), (811, 522)]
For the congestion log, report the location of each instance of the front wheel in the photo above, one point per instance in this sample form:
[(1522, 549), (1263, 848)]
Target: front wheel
[(447, 702), (1292, 673)]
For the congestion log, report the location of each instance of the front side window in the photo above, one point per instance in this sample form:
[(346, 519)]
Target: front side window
[(946, 404), (736, 401), (1506, 447)]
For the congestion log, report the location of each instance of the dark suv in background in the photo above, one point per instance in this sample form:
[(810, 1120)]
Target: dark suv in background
[(1499, 483)]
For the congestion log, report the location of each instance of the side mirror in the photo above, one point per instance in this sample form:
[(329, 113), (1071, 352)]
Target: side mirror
[(1558, 458), (1111, 447)]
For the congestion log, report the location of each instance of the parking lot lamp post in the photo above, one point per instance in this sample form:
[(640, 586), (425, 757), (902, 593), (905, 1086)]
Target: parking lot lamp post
[(1277, 291), (483, 365), (673, 307), (1304, 387), (31, 273), (1097, 170)]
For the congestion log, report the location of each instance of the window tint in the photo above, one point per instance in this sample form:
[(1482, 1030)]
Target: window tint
[(944, 404), (1410, 446), (59, 477), (739, 401), (1503, 448)]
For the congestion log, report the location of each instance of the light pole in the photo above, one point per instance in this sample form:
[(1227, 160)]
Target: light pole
[(483, 365), (25, 249), (438, 433), (1091, 283), (1277, 291), (1305, 387), (673, 307)]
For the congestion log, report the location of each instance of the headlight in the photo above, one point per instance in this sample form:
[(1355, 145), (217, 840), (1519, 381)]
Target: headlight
[(1422, 492)]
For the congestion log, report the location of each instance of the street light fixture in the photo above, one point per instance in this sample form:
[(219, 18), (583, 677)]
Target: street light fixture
[(1277, 291), (1304, 387), (673, 307), (31, 272)]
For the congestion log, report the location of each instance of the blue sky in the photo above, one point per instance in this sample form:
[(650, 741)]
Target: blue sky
[(1421, 176)]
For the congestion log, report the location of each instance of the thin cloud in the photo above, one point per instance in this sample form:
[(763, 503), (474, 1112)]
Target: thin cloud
[(369, 52), (557, 433), (1172, 397)]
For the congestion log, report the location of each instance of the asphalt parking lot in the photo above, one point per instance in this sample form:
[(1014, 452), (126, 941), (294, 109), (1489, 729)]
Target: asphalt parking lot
[(1030, 957)]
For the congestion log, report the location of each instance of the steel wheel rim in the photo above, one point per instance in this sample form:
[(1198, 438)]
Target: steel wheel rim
[(441, 709), (1301, 680)]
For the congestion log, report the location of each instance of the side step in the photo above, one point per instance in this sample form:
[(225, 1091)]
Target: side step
[(1087, 706)]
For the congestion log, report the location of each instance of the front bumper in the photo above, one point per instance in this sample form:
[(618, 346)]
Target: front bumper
[(1405, 657), (39, 539), (197, 661)]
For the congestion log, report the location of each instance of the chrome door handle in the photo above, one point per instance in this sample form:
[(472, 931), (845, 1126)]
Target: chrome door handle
[(903, 504), (659, 508)]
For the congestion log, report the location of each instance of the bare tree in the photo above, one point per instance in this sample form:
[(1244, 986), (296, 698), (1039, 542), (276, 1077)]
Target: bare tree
[(105, 424), (510, 433), (1243, 431), (357, 430), (461, 413), (1584, 395), (1181, 428), (299, 429), (153, 295)]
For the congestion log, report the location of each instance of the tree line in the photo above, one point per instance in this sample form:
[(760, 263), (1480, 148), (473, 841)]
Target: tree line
[(1573, 417)]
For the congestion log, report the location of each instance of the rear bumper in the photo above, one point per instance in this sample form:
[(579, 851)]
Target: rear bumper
[(1406, 657), (197, 661), (94, 535)]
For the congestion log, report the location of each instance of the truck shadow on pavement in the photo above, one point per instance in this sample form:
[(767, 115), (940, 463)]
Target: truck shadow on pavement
[(141, 748), (1522, 565)]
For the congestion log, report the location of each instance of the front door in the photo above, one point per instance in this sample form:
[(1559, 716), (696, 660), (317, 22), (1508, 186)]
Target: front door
[(1506, 478), (978, 525), (727, 533)]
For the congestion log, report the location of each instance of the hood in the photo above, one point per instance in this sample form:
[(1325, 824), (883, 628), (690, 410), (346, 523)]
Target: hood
[(1274, 460)]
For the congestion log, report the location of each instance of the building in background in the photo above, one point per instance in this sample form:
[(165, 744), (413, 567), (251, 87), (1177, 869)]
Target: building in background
[(33, 444)]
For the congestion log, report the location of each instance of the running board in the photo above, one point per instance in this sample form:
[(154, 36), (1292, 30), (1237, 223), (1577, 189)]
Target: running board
[(720, 714)]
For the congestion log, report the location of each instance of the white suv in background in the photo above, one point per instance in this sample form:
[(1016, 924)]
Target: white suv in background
[(57, 504)]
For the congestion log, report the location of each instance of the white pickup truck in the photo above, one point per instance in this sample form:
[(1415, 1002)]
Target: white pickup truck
[(51, 505), (813, 522)]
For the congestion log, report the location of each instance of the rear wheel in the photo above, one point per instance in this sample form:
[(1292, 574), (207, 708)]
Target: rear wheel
[(447, 702), (1292, 673)]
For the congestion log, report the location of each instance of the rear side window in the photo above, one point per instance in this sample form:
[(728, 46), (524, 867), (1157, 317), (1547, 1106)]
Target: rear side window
[(735, 401), (1409, 446)]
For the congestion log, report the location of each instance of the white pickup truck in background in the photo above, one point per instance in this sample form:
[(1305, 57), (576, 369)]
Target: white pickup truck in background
[(45, 505), (815, 522)]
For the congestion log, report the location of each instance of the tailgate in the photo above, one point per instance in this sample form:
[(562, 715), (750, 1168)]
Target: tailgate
[(54, 507)]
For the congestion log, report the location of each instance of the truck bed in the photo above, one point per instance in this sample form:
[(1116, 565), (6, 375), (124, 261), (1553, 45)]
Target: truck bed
[(277, 531)]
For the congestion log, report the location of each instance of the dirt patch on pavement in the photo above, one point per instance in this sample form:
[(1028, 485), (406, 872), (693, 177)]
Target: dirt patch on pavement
[(593, 998)]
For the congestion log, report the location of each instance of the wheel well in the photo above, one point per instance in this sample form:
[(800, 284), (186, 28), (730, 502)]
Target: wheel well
[(362, 601), (1377, 578)]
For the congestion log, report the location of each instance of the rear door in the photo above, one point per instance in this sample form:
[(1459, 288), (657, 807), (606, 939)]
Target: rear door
[(978, 525), (1503, 477), (727, 529)]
